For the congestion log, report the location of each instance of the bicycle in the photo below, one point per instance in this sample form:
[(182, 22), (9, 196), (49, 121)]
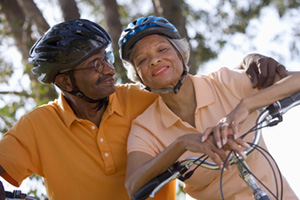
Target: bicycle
[(270, 116), (14, 195)]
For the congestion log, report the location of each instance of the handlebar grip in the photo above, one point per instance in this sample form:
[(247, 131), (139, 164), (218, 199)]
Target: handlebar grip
[(278, 105), (145, 191)]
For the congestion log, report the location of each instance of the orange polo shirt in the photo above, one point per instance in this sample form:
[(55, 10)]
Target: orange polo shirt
[(216, 95), (77, 159)]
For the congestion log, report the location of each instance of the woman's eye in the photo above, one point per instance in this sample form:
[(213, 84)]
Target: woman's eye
[(141, 61), (162, 49)]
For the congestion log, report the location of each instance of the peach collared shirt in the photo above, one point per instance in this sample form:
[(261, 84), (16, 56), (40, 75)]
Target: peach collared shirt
[(216, 95)]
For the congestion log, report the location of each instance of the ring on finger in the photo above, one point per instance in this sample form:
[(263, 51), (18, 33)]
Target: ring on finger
[(225, 124)]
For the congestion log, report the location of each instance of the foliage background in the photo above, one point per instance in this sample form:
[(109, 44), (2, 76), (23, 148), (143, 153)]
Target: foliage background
[(212, 27)]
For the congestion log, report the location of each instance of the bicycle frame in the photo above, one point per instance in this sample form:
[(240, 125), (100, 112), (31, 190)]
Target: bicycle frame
[(177, 170)]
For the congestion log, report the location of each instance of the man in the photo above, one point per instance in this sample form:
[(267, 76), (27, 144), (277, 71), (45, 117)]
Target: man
[(77, 143)]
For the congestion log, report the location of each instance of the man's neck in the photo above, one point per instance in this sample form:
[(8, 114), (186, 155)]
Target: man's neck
[(85, 110)]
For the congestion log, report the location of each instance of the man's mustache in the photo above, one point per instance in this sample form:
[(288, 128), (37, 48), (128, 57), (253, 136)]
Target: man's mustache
[(102, 78)]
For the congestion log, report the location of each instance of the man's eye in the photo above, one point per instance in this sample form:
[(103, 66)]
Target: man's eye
[(96, 64)]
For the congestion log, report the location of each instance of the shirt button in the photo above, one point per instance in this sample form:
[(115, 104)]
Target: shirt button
[(93, 127), (101, 139), (106, 155)]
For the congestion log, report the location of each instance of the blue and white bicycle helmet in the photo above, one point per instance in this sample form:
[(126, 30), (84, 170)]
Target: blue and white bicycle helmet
[(145, 26)]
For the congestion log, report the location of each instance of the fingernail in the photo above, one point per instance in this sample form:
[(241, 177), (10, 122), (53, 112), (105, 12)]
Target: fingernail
[(235, 136), (224, 141), (229, 167), (243, 155), (202, 139), (219, 145), (222, 166), (246, 145), (224, 169)]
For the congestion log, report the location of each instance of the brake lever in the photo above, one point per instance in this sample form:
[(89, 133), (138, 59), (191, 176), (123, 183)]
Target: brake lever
[(156, 184), (180, 170), (165, 182)]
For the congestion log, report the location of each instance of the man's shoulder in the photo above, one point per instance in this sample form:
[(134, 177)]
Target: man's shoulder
[(130, 89), (133, 97), (43, 110), (129, 86)]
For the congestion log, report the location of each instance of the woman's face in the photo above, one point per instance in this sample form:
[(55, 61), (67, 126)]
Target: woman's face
[(157, 62)]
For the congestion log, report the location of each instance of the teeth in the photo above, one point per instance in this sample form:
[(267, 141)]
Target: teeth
[(160, 70)]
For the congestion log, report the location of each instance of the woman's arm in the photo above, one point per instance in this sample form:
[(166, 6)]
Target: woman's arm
[(279, 90), (141, 167)]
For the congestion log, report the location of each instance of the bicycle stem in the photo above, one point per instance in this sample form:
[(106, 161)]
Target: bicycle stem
[(245, 174)]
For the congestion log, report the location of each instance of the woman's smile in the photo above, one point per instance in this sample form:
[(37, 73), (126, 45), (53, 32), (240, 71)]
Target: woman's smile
[(160, 70)]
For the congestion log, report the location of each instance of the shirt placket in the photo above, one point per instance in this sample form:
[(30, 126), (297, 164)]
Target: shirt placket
[(103, 145)]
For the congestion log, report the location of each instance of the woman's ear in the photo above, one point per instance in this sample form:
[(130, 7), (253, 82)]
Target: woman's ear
[(63, 81)]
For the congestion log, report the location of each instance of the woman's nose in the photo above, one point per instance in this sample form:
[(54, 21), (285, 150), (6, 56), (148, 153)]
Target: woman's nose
[(155, 61)]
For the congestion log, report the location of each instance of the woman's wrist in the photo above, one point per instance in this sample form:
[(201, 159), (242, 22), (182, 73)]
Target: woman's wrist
[(181, 144), (246, 103)]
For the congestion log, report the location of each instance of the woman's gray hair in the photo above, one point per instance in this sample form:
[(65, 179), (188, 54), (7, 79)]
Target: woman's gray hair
[(181, 45)]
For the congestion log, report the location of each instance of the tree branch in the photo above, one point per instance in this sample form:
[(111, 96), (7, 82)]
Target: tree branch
[(15, 93)]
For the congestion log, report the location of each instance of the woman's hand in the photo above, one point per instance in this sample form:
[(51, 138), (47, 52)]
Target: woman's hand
[(193, 142), (209, 147), (229, 125)]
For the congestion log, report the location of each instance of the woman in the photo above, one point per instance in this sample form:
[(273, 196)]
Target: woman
[(170, 129)]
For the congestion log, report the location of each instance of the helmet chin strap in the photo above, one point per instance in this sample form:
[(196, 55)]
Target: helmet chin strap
[(179, 83), (168, 90), (78, 93)]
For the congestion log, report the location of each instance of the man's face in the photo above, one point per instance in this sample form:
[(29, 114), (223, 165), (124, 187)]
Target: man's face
[(94, 76)]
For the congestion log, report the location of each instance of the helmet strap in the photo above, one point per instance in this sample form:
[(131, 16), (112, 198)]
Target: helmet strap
[(168, 90), (78, 93), (179, 83)]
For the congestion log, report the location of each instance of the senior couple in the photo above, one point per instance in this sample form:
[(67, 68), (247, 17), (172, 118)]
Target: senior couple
[(79, 142)]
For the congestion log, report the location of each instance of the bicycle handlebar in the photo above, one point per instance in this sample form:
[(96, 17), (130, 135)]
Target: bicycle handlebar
[(18, 195), (15, 195), (149, 187), (282, 106), (156, 184), (274, 110)]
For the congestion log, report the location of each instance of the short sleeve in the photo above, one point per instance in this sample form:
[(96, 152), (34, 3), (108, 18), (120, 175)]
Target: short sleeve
[(235, 81), (18, 151), (140, 139)]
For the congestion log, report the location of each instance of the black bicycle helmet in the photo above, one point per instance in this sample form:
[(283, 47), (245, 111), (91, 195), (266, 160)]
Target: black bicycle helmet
[(145, 26), (64, 46)]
